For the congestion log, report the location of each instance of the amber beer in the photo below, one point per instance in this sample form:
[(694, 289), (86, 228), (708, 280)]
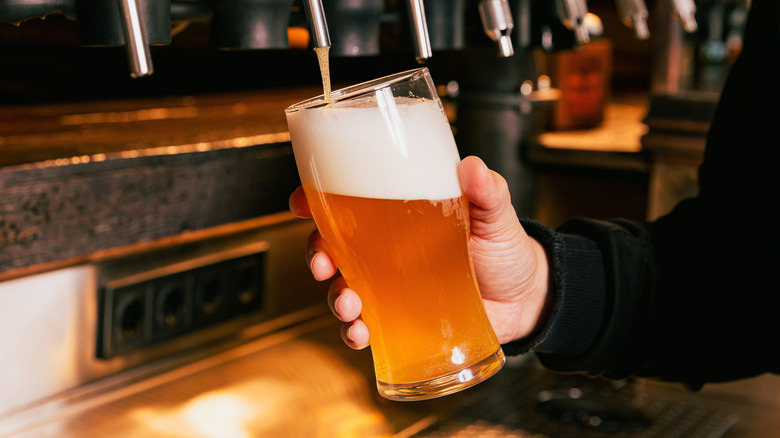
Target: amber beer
[(379, 167)]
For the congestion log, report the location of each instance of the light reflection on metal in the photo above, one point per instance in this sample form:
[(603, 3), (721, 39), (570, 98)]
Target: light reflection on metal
[(634, 14), (295, 389), (419, 26), (224, 413), (572, 13), (238, 142), (315, 14), (188, 112), (138, 53), (498, 24), (686, 10)]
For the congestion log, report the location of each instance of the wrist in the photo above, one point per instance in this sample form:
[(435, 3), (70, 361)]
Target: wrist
[(521, 306), (538, 302)]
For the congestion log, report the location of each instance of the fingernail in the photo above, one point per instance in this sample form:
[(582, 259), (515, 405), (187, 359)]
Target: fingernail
[(312, 258), (335, 305)]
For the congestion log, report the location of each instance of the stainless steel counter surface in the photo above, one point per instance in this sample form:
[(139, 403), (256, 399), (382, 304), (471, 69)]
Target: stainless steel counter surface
[(303, 382)]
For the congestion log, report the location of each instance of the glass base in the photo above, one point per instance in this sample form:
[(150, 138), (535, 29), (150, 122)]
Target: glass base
[(444, 385)]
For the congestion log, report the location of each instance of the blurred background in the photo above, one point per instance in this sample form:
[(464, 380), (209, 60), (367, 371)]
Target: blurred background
[(152, 281)]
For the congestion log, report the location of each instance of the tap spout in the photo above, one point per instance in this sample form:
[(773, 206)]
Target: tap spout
[(572, 13), (686, 9), (634, 14), (497, 23), (138, 53), (419, 25), (317, 22)]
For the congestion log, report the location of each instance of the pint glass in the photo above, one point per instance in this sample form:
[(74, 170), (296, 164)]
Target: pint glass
[(378, 164)]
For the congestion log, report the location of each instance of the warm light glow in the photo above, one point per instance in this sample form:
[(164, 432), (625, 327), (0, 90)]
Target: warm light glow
[(129, 116), (526, 88), (543, 82), (219, 414), (227, 413), (309, 393), (299, 37), (239, 142)]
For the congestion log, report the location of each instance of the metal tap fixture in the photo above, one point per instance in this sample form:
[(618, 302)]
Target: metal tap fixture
[(497, 22), (319, 26), (249, 24), (634, 14), (686, 9), (572, 13), (446, 23), (135, 24), (419, 25), (354, 26), (138, 54)]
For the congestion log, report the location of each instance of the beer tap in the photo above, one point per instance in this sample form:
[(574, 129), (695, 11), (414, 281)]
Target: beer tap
[(572, 13), (354, 26), (686, 9), (317, 22), (446, 23), (420, 37), (138, 54), (634, 14), (497, 23)]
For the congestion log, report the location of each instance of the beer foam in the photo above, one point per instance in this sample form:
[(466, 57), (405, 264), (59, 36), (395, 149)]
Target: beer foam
[(398, 149)]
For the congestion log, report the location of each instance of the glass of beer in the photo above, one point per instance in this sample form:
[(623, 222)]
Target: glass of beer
[(378, 163)]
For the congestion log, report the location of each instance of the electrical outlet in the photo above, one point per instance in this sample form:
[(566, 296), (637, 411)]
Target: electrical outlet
[(212, 301), (168, 302), (172, 306), (128, 324), (246, 281)]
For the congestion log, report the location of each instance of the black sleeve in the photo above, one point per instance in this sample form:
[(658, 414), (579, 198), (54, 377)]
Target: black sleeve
[(691, 297)]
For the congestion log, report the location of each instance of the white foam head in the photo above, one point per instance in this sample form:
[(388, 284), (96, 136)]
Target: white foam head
[(391, 148)]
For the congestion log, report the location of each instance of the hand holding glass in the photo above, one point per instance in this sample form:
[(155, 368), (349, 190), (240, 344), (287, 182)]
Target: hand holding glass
[(378, 163)]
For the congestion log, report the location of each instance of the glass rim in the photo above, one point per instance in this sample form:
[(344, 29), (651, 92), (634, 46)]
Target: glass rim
[(357, 89)]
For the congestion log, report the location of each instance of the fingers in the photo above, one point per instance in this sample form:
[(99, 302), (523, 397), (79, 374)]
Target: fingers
[(317, 257), (321, 264), (298, 204), (346, 305), (355, 334), (343, 302)]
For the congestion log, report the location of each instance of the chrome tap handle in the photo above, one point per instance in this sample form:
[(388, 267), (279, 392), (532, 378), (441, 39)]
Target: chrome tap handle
[(136, 41), (572, 13), (319, 26), (634, 14), (686, 9), (497, 23), (420, 37)]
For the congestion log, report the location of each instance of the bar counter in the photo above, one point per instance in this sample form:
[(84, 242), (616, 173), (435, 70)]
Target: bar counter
[(84, 178)]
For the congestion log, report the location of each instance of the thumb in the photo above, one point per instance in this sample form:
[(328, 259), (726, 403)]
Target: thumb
[(511, 267), (491, 207)]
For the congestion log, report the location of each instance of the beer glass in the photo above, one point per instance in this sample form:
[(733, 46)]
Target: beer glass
[(378, 163)]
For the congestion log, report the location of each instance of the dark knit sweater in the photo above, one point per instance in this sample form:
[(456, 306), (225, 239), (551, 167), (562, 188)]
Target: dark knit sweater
[(692, 296)]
